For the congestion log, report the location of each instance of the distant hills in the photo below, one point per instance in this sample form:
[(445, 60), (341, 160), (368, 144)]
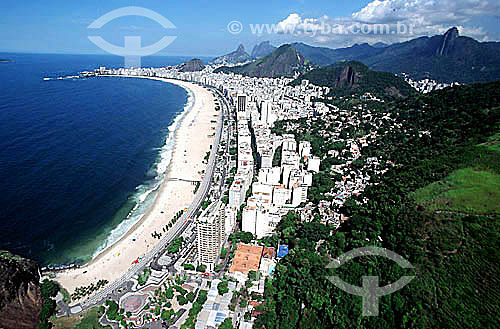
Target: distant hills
[(445, 58), (285, 61), (263, 49), (325, 56), (236, 57), (380, 45), (193, 65), (240, 56), (353, 77)]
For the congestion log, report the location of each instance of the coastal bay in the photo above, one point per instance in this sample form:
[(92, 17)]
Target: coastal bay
[(192, 142)]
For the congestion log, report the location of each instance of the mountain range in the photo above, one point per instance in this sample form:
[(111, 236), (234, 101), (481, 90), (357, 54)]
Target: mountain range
[(285, 61), (446, 58)]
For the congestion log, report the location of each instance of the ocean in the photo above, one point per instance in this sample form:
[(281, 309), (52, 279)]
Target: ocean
[(80, 159)]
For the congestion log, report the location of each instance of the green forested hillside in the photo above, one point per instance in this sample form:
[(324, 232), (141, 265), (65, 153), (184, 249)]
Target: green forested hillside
[(455, 255)]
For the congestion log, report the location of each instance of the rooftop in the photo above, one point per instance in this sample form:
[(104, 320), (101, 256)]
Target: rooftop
[(246, 259)]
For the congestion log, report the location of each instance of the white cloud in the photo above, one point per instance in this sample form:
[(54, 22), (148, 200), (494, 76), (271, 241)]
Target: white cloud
[(430, 11), (426, 18), (292, 20)]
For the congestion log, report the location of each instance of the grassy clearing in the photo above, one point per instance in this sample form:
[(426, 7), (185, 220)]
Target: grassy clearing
[(469, 190), (493, 143), (89, 321)]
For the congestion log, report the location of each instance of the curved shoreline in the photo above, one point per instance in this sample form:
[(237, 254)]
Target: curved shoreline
[(161, 187), (191, 135)]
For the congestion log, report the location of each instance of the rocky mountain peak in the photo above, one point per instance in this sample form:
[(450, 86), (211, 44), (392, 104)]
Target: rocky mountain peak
[(448, 41), (263, 49), (241, 48), (236, 57)]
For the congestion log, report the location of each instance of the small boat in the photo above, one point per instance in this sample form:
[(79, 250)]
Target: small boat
[(46, 79)]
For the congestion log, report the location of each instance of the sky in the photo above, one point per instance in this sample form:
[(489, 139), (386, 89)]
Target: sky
[(203, 27)]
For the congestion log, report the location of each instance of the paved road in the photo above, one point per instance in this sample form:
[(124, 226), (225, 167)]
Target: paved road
[(227, 157), (175, 232)]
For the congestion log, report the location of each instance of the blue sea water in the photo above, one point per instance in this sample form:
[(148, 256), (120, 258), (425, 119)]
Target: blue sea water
[(79, 158)]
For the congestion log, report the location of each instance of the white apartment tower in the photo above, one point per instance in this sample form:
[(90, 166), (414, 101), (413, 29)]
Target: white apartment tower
[(266, 109), (210, 234), (305, 149), (242, 103), (313, 164), (266, 158), (299, 194), (289, 143), (249, 219), (260, 221), (237, 194)]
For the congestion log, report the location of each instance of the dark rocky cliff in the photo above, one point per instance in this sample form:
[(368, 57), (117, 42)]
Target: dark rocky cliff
[(20, 295), (347, 78), (448, 42), (193, 65)]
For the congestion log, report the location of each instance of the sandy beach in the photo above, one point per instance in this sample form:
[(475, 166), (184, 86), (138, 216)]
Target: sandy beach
[(192, 142)]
